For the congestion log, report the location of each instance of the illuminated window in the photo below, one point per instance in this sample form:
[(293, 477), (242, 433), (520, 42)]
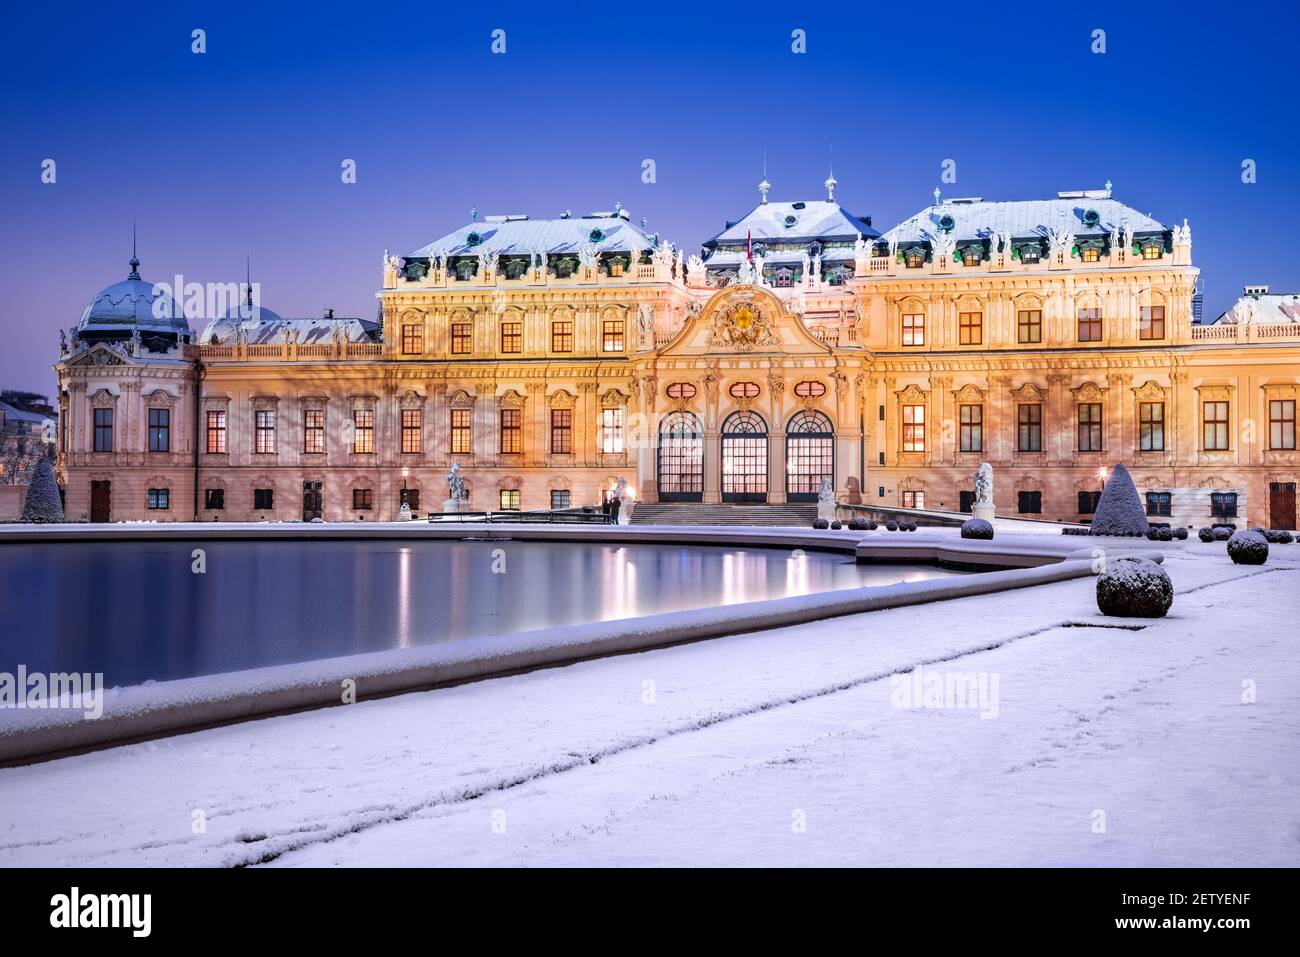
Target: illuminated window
[(412, 339), (1090, 325), (313, 430), (363, 431), (1152, 323), (1281, 424), (611, 431), (561, 431), (461, 337), (510, 499), (562, 335), (217, 431), (560, 498), (1029, 325), (913, 499), (412, 430), (913, 428), (611, 335), (972, 428), (1089, 426), (970, 328), (1152, 251), (512, 337), (1029, 428), (512, 433), (1090, 254), (264, 431), (972, 255), (915, 258), (913, 330), (1214, 421), (1151, 426), (461, 442)]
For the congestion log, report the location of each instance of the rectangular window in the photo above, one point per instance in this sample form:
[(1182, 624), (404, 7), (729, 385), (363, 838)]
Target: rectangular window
[(1160, 504), (561, 431), (510, 499), (1029, 503), (1151, 251), (264, 431), (512, 434), (560, 498), (160, 498), (1029, 325), (972, 428), (363, 499), (461, 440), (461, 337), (512, 338), (611, 431), (970, 328), (217, 431), (1281, 424), (1088, 502), (1152, 323), (412, 339), (913, 428), (1223, 504), (1214, 421), (611, 335), (214, 498), (1089, 427), (263, 498), (966, 501), (363, 431), (913, 499), (409, 497), (160, 430), (914, 330), (1151, 426), (1090, 325), (412, 430), (562, 335), (313, 430), (103, 430), (1029, 428)]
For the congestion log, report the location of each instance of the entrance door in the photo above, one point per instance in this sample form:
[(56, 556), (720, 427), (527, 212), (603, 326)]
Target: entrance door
[(809, 456), (1281, 505), (744, 458), (101, 500), (311, 501), (680, 470)]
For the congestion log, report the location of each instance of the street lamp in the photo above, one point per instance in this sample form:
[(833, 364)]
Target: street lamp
[(1102, 473)]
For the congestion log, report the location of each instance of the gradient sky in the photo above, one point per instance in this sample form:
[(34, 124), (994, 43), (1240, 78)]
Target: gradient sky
[(238, 151)]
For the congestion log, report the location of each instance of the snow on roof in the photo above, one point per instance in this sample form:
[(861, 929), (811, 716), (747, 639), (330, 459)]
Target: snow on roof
[(1265, 309), (276, 331), (792, 222), (11, 413), (521, 236), (1022, 218)]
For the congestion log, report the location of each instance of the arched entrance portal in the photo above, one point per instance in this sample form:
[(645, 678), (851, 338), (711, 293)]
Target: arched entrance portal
[(809, 455), (744, 458), (680, 467)]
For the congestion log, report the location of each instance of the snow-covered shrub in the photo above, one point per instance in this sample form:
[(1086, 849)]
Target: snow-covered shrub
[(1222, 533), (1248, 548), (1205, 534), (1160, 533), (1134, 588), (1119, 510), (872, 525), (911, 526), (976, 528), (1180, 533), (1279, 536), (1075, 530), (858, 524), (42, 505), (892, 526), (821, 523), (1153, 533), (836, 524)]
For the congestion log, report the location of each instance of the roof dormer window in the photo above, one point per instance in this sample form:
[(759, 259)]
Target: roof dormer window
[(1152, 249), (1030, 254), (972, 255), (914, 257)]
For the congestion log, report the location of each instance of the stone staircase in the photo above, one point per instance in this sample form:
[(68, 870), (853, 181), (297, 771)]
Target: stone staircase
[(690, 513)]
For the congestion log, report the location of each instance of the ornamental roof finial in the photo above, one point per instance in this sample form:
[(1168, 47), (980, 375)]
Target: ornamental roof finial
[(764, 187), (135, 260), (1109, 187), (830, 183), (936, 196), (473, 214)]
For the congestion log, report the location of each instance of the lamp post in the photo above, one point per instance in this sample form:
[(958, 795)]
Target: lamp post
[(1102, 474)]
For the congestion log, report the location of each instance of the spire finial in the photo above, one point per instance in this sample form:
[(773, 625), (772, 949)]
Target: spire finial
[(764, 187), (473, 214), (248, 280), (830, 183), (135, 260), (1109, 187), (936, 196)]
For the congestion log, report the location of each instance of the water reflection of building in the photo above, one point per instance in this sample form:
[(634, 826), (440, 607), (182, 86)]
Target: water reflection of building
[(1052, 338)]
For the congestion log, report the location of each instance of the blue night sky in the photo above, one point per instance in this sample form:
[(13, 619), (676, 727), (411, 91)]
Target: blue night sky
[(239, 150)]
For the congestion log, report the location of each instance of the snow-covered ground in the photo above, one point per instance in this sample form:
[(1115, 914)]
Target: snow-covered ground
[(1109, 746)]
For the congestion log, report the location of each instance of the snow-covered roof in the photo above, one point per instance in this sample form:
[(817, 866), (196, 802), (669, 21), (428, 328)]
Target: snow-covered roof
[(521, 236), (774, 257), (9, 413), (275, 331), (1265, 308), (977, 219), (133, 303), (794, 221)]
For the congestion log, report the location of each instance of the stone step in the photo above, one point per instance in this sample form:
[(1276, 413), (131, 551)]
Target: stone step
[(700, 514)]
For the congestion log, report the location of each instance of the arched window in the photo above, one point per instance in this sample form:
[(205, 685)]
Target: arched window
[(809, 455), (744, 457), (680, 466)]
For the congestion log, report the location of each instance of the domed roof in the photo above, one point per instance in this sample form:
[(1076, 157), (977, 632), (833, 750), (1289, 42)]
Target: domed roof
[(134, 303)]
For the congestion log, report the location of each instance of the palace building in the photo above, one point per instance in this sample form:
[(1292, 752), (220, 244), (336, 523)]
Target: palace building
[(1051, 338)]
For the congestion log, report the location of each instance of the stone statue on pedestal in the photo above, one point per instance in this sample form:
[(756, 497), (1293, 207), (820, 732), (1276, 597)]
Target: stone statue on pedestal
[(983, 505), (624, 500), (826, 500), (456, 498)]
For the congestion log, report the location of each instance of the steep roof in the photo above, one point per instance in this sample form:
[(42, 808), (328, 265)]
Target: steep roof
[(793, 222), (977, 219), (268, 331), (1264, 309), (520, 236)]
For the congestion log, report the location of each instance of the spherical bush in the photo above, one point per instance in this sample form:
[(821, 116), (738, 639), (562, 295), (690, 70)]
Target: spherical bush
[(857, 525), (1205, 534), (1222, 533), (1279, 536), (911, 526), (872, 525), (836, 524), (976, 528), (1134, 588), (1180, 533), (821, 523), (1248, 548), (1166, 534), (1153, 533), (892, 526)]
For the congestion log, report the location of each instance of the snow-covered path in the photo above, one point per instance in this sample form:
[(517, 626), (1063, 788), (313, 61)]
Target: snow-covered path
[(780, 747)]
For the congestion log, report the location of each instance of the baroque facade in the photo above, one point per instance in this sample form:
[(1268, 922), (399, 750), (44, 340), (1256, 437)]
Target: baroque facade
[(1051, 338)]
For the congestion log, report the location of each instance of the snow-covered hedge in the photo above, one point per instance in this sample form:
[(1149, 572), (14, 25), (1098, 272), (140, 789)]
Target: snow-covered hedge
[(1160, 533), (1205, 534), (1119, 510), (1223, 532), (1248, 548), (1279, 536), (892, 526), (42, 505), (1134, 588), (858, 524), (821, 523), (1180, 533), (976, 528), (836, 524)]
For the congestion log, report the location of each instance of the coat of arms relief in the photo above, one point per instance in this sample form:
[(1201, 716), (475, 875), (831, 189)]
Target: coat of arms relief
[(743, 325)]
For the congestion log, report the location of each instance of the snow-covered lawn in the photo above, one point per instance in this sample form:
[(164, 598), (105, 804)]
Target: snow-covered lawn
[(781, 747)]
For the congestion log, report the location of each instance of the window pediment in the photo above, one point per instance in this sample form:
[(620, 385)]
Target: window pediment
[(1027, 393)]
